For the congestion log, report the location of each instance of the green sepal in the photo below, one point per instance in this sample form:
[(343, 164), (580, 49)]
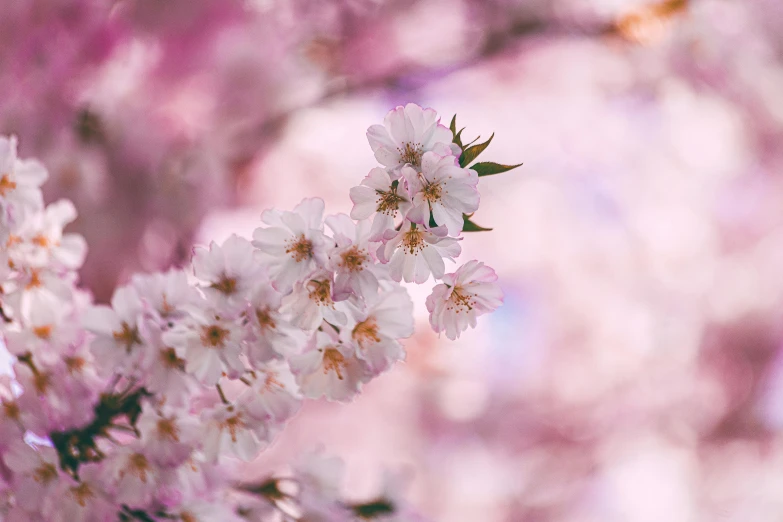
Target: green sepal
[(453, 126), (471, 153), (470, 226), (487, 168)]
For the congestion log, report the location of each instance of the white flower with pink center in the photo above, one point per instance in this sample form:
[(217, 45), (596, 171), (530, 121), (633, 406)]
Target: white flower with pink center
[(20, 180), (444, 189), (406, 134), (230, 270), (294, 245), (376, 331), (135, 476), (353, 259), (210, 345), (270, 336), (415, 252), (378, 194), (118, 344), (36, 473), (464, 295), (168, 435), (85, 500), (40, 241), (329, 368), (164, 366), (230, 430), (167, 294), (312, 301), (273, 397)]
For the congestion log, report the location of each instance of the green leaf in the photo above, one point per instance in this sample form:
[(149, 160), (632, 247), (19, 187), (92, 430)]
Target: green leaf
[(470, 226), (453, 125), (487, 168), (471, 153), (458, 138)]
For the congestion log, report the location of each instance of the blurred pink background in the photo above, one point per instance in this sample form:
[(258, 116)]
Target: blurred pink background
[(635, 372)]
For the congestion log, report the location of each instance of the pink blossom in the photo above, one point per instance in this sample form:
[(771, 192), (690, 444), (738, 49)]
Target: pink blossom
[(469, 292)]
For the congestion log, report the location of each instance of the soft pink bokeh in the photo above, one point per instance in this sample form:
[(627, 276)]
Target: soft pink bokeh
[(635, 372)]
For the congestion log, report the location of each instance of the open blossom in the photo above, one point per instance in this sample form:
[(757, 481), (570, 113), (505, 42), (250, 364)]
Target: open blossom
[(169, 435), (164, 367), (294, 244), (210, 345), (353, 258), (272, 397), (444, 189), (312, 301), (134, 475), (231, 269), (270, 336), (376, 331), (464, 295), (19, 186), (406, 134), (39, 241), (167, 294), (329, 368), (380, 195), (230, 429), (118, 343), (415, 252), (36, 472)]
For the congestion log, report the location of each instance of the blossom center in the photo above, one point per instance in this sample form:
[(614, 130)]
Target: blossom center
[(300, 249), (43, 332), (334, 361), (461, 301), (127, 336), (11, 410), (170, 360), (366, 332), (42, 381), (213, 335), (82, 493), (432, 192), (45, 473), (168, 429), (413, 241), (138, 466), (232, 424), (389, 202), (6, 185), (35, 280), (410, 153), (320, 291), (74, 364), (41, 240), (353, 259), (226, 285), (265, 320)]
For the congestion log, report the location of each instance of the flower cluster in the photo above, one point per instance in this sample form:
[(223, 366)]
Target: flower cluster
[(129, 410)]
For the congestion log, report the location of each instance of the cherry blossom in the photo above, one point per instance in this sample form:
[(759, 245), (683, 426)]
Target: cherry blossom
[(294, 244), (406, 134), (463, 296), (129, 411), (329, 368), (377, 331), (414, 252), (231, 270), (443, 190), (380, 195)]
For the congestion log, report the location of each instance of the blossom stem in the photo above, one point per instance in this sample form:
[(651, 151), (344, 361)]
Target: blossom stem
[(222, 395)]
